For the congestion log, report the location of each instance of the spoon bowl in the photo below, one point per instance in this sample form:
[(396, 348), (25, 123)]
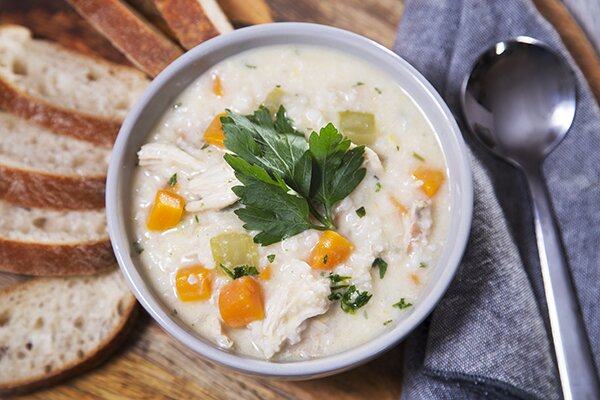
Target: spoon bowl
[(519, 102)]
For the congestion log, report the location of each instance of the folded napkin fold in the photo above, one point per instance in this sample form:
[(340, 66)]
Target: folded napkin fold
[(489, 336)]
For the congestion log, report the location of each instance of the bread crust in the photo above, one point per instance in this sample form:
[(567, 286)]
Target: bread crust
[(94, 358), (98, 130), (49, 259), (31, 188), (188, 20), (142, 44)]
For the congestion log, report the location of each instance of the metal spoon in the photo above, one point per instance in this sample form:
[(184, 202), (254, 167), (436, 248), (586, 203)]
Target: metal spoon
[(519, 102)]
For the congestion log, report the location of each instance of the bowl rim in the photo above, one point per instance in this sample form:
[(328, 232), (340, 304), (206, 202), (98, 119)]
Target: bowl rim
[(322, 366)]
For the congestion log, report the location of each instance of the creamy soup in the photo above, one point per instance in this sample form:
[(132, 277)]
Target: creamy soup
[(347, 271)]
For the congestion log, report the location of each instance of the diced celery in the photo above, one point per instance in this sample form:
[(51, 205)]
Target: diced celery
[(234, 249), (358, 126), (273, 99)]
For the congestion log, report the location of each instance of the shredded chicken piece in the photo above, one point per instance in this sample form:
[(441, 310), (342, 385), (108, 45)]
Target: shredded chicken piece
[(418, 226), (210, 177), (296, 296), (372, 162)]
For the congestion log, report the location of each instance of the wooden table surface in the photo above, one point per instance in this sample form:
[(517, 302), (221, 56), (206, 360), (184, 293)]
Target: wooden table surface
[(151, 364)]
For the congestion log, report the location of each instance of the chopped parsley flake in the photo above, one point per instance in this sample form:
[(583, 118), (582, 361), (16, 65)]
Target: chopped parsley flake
[(173, 180), (381, 265), (402, 304), (196, 218), (271, 257), (238, 272), (422, 265), (361, 212), (325, 259), (359, 83), (378, 186), (351, 299), (397, 148), (418, 156), (389, 321), (250, 66), (138, 247), (379, 91), (204, 146)]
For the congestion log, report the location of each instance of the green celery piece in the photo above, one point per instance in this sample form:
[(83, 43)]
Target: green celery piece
[(359, 127), (234, 249)]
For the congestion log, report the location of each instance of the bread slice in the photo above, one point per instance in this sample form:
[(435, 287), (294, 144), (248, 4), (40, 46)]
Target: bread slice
[(35, 241), (62, 90), (39, 168), (52, 328), (144, 45), (245, 12), (194, 21)]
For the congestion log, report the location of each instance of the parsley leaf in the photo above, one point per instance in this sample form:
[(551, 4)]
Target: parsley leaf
[(239, 271), (352, 299), (271, 257), (381, 265), (173, 180), (338, 170), (275, 146), (269, 207), (402, 304)]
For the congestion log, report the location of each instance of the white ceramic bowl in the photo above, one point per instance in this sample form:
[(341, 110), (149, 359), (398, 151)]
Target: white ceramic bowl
[(168, 85)]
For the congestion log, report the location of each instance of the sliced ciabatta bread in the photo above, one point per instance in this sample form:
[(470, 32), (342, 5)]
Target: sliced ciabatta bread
[(35, 241), (194, 21), (52, 328), (67, 92), (39, 168), (144, 45)]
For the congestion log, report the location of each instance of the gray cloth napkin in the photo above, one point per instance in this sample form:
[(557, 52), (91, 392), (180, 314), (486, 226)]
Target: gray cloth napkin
[(488, 338)]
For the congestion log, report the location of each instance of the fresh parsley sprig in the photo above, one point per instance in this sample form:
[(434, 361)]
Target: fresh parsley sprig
[(289, 184)]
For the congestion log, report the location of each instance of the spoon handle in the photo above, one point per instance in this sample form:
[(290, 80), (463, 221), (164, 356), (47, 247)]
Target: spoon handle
[(573, 353)]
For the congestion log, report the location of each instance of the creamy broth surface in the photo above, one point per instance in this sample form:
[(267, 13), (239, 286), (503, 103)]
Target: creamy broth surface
[(401, 224)]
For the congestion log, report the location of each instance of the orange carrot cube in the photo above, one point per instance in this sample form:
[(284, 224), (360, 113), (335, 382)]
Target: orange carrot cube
[(214, 133), (241, 302), (331, 250), (432, 179), (193, 283), (166, 211)]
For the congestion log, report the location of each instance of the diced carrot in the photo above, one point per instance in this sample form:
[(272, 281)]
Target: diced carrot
[(214, 133), (331, 250), (399, 206), (166, 211), (193, 283), (415, 278), (432, 179), (241, 302), (217, 86), (265, 275)]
